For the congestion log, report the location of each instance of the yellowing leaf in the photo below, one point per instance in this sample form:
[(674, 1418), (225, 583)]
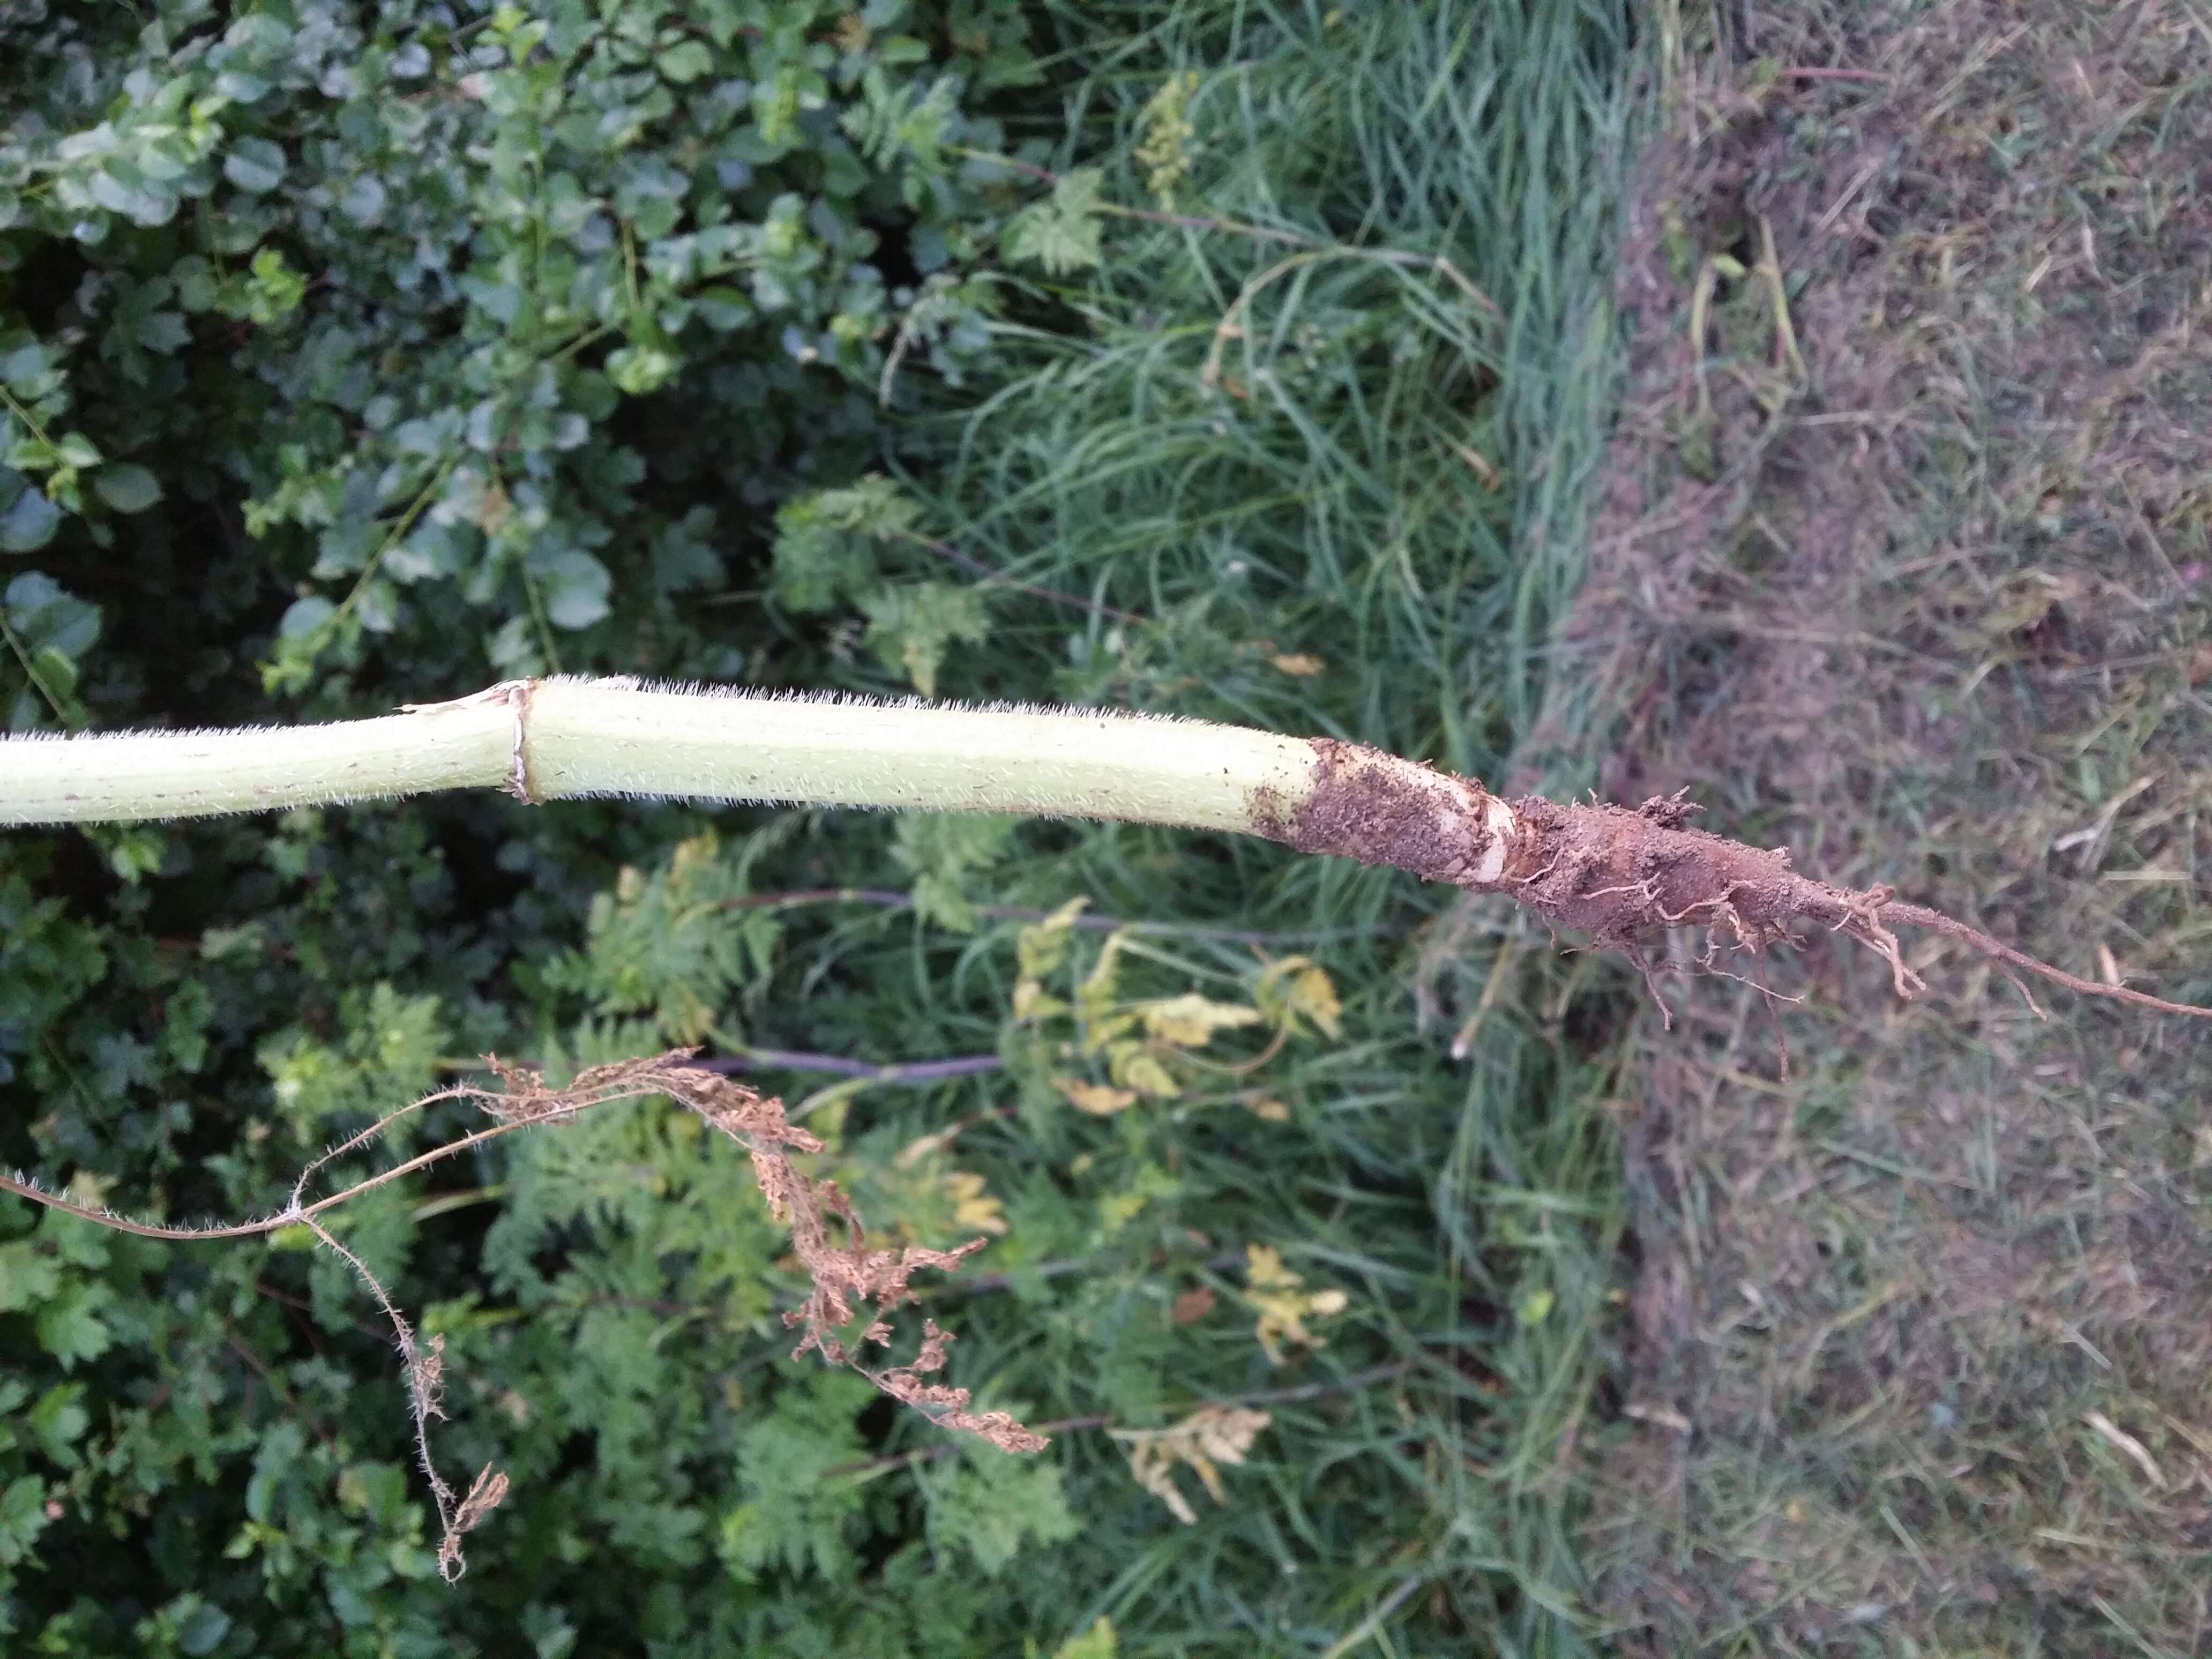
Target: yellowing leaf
[(1210, 1435), (923, 1147), (1105, 1030), (90, 1188), (1063, 918), (1117, 1210), (1094, 998), (1263, 1265), (1042, 946), (1479, 463), (493, 510), (1298, 664), (1095, 1098), (1283, 1308), (1030, 1002), (1266, 1109), (974, 1207), (1296, 989), (1096, 1643), (1190, 1020), (686, 1017), (692, 857), (823, 1111), (1165, 149), (1313, 996), (1133, 1068)]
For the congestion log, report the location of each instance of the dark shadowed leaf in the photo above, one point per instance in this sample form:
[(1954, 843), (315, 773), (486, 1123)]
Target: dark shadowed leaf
[(127, 488)]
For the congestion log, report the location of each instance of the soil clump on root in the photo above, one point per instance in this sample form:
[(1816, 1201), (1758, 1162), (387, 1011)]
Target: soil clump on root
[(1623, 876)]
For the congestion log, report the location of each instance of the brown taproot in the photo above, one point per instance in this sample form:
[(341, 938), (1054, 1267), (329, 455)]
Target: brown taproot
[(1621, 875)]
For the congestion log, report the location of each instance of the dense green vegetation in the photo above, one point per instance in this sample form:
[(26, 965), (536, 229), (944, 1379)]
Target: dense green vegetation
[(1231, 361)]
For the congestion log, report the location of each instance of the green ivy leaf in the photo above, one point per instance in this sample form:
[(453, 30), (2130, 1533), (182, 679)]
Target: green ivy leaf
[(576, 587), (304, 616), (75, 450), (255, 165), (276, 290), (637, 370), (363, 201), (127, 488), (189, 1624), (29, 368), (723, 308), (28, 522), (686, 62), (56, 629)]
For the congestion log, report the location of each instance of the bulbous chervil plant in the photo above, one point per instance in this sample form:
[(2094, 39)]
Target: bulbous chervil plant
[(1240, 361), (1620, 875)]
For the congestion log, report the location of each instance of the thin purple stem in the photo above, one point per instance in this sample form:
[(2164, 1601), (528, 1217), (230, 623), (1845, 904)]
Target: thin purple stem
[(785, 1060), (892, 899), (1817, 73), (969, 562)]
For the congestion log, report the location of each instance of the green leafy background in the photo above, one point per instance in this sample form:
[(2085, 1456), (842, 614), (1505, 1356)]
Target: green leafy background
[(1228, 361)]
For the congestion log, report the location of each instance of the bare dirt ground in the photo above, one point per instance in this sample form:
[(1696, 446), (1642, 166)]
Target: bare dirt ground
[(1904, 561)]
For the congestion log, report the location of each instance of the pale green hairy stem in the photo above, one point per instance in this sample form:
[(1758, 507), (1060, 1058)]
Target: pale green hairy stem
[(544, 741), (549, 739)]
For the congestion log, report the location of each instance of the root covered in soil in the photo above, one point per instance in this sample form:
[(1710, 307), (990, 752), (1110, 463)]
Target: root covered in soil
[(1623, 875)]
